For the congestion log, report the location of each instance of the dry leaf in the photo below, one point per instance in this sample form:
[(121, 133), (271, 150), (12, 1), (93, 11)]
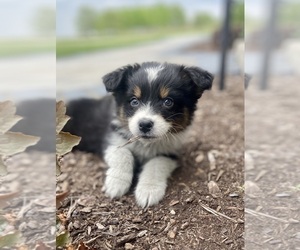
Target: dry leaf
[(7, 116), (12, 142), (4, 198), (9, 240), (60, 197), (65, 142), (61, 117), (42, 246)]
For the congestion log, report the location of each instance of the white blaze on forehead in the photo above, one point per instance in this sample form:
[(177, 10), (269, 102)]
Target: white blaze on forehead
[(152, 72)]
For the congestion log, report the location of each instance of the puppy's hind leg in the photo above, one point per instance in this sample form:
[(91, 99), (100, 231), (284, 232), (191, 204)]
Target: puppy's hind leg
[(152, 182), (120, 172)]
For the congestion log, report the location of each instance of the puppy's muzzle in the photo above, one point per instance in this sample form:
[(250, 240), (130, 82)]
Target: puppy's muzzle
[(145, 125)]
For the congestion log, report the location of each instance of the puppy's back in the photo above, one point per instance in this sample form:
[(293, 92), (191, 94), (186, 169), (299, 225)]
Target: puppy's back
[(90, 119)]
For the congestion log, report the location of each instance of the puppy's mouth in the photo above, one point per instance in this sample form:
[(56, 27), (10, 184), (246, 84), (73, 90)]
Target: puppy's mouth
[(148, 137)]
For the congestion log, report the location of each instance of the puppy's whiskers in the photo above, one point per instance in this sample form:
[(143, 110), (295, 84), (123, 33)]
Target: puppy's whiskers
[(131, 140)]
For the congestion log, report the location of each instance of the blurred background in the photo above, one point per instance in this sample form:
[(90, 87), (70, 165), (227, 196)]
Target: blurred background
[(27, 78), (96, 37), (272, 173)]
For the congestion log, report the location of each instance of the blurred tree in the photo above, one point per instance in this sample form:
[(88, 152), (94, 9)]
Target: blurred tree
[(203, 20), (238, 14), (86, 21), (44, 21)]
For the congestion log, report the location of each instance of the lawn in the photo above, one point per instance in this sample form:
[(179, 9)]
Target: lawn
[(71, 46)]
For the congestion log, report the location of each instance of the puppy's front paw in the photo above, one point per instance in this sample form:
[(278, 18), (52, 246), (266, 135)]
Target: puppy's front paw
[(149, 194), (116, 186)]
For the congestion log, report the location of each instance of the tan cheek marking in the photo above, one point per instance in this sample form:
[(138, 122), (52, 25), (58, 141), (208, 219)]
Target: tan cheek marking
[(164, 92), (182, 122), (122, 117), (137, 92)]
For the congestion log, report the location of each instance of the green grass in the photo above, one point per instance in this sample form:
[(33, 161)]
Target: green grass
[(72, 46), (15, 47)]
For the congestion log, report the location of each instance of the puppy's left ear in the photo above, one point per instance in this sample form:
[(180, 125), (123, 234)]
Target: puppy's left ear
[(200, 77), (117, 79)]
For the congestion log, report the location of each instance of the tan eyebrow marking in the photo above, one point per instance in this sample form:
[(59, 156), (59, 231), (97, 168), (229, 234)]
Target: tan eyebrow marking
[(164, 92), (137, 91)]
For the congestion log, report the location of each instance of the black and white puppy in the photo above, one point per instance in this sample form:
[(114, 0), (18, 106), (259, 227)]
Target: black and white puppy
[(154, 102), (154, 105)]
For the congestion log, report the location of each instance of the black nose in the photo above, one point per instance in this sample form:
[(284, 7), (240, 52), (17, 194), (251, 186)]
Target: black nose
[(145, 125)]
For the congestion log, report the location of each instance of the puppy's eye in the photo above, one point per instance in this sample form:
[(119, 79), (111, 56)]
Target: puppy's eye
[(168, 102), (134, 102)]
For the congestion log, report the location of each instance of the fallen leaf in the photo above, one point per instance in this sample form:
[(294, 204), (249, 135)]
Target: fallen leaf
[(4, 198), (42, 246), (61, 117), (13, 142), (65, 142), (9, 240), (60, 197), (62, 239), (7, 116)]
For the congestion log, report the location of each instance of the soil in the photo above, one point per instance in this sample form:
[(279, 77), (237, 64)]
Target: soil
[(272, 165), (191, 215)]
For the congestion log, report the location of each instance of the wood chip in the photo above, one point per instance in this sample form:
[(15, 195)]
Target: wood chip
[(200, 157), (171, 234), (173, 203), (126, 238), (129, 246), (212, 160), (214, 190)]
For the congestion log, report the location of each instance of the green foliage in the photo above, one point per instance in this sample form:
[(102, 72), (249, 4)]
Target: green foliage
[(289, 14), (238, 13), (157, 16), (44, 21), (9, 240), (86, 20), (204, 20)]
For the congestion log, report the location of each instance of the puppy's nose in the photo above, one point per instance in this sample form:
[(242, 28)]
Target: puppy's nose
[(145, 125)]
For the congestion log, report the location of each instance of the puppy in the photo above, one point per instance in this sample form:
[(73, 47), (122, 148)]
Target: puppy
[(154, 105)]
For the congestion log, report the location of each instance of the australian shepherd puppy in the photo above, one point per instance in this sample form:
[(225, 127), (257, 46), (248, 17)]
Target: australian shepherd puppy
[(153, 105)]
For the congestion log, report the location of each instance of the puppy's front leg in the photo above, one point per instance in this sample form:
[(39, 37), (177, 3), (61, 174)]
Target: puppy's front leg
[(152, 182), (120, 172)]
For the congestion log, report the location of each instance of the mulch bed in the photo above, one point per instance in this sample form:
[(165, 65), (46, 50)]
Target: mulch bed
[(191, 216), (272, 165)]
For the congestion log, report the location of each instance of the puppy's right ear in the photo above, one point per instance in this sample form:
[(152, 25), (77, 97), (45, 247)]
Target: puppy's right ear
[(117, 79)]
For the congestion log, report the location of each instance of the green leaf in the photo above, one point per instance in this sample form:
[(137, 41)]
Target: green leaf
[(7, 116), (61, 117), (62, 239), (12, 142), (65, 142), (3, 170), (9, 240)]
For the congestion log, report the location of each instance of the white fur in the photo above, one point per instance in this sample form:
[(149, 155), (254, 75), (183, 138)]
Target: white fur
[(120, 173), (152, 182), (160, 126), (152, 72)]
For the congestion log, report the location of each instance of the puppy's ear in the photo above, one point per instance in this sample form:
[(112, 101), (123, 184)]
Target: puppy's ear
[(117, 79), (200, 77)]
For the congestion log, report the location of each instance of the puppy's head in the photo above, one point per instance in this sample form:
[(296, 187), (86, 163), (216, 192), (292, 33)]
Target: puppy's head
[(153, 99)]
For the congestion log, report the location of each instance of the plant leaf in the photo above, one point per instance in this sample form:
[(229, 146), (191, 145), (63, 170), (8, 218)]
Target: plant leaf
[(12, 142), (9, 240), (4, 198), (62, 239), (3, 170), (61, 117), (7, 116), (65, 142)]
